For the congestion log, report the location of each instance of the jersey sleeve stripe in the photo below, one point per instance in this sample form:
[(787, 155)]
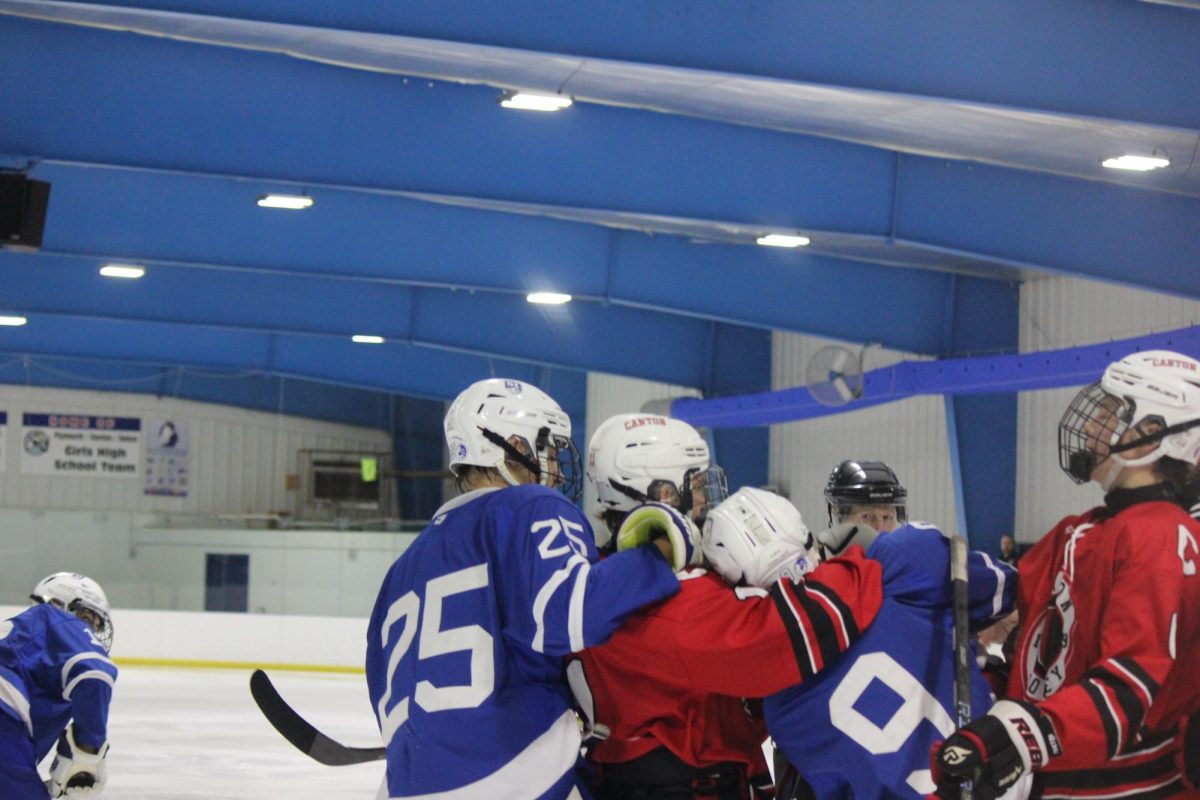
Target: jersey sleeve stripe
[(1131, 705), (1001, 579), (840, 612), (575, 613), (93, 674), (1105, 778), (12, 697), (542, 600), (1138, 676), (823, 628), (1108, 715), (78, 657), (791, 621)]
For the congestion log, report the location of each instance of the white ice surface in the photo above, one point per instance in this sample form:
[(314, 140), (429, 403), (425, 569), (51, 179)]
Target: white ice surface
[(196, 734)]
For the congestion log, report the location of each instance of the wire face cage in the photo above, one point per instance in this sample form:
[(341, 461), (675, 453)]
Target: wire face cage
[(1092, 423)]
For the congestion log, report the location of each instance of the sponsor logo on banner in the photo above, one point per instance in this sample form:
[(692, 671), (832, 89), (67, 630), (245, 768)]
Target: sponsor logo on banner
[(81, 445), (166, 458)]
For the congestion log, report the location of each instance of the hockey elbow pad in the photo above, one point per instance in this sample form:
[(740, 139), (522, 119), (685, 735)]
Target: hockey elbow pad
[(76, 773), (652, 521)]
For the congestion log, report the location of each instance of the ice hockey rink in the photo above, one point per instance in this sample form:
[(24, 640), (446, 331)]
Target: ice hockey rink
[(196, 734)]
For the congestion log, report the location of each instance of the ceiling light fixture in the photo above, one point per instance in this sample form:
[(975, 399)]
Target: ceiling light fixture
[(548, 298), (363, 338), (293, 202), (528, 101), (1135, 163), (782, 240), (122, 271), (12, 321)]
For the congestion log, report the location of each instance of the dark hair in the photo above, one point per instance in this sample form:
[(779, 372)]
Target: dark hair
[(470, 473), (612, 519), (1182, 477)]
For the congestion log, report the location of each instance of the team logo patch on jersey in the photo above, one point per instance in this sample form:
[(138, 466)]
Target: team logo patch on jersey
[(1046, 657)]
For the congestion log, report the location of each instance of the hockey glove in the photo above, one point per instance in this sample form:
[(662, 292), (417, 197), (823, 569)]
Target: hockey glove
[(652, 521), (834, 541), (76, 773), (994, 751)]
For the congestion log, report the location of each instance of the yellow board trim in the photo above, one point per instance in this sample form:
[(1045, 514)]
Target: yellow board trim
[(251, 665)]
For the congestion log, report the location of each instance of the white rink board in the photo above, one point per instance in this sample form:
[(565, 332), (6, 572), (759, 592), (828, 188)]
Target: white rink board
[(196, 734)]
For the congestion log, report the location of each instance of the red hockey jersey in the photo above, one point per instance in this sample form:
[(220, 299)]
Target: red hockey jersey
[(674, 675), (1110, 623)]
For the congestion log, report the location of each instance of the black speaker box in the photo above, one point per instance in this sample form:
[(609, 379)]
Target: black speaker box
[(23, 205)]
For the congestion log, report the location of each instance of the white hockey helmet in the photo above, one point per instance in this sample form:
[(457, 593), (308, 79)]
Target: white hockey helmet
[(756, 537), (81, 596), (643, 458), (1155, 394), (495, 421)]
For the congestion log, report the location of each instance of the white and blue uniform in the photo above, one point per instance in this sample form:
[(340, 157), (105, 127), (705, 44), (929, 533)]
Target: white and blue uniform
[(863, 727), (465, 646), (52, 671)]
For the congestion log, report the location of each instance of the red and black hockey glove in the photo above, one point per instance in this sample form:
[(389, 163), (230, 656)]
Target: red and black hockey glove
[(994, 751)]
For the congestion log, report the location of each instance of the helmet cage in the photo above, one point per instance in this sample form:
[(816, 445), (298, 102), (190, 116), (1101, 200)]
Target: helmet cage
[(561, 469), (93, 614), (1093, 425), (710, 482)]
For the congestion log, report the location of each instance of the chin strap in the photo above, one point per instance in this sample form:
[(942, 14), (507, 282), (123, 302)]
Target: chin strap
[(533, 465)]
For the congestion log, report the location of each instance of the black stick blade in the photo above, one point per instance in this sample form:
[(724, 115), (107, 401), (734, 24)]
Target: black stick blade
[(303, 736)]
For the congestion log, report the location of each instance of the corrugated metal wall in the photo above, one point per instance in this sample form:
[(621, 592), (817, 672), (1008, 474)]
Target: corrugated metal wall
[(239, 459), (909, 435), (608, 395), (1065, 312)]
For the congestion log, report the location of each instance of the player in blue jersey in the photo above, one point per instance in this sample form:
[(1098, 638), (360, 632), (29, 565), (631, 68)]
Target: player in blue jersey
[(466, 642), (56, 682), (863, 726)]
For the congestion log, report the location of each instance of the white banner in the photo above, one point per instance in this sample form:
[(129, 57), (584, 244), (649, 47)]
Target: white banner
[(166, 457), (80, 445)]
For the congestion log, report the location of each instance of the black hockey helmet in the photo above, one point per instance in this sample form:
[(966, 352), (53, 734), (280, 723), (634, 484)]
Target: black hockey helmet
[(864, 483)]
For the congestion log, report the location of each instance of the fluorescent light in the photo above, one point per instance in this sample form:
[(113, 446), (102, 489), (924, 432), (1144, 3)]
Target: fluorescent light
[(122, 271), (1136, 163), (295, 202), (548, 298), (363, 338), (782, 240), (535, 102), (12, 321)]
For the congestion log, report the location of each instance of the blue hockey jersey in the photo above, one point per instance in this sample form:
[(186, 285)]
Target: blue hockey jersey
[(863, 727), (53, 670), (465, 644)]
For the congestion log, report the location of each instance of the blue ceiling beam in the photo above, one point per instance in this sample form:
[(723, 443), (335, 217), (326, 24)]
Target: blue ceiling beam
[(1116, 60), (1081, 228), (980, 375), (581, 336), (284, 120), (392, 368)]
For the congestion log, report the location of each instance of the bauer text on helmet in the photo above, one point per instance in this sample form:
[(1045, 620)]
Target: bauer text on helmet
[(642, 458), (866, 492), (515, 429), (1144, 408)]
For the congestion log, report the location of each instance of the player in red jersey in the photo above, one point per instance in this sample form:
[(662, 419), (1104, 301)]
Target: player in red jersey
[(666, 692), (1110, 607)]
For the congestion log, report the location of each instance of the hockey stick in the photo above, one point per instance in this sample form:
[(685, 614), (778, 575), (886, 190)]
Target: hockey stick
[(301, 733), (962, 650)]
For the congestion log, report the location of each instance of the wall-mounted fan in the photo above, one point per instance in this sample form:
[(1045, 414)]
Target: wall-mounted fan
[(834, 375)]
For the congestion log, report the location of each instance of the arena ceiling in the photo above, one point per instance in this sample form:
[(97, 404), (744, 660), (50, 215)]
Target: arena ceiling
[(935, 154)]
